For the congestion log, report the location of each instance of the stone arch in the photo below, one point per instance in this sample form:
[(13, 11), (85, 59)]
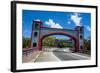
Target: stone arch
[(39, 32), (60, 33)]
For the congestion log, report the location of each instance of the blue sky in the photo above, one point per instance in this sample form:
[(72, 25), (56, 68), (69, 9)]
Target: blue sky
[(53, 19)]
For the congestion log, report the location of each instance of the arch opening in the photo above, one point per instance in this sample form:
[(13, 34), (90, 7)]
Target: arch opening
[(61, 41)]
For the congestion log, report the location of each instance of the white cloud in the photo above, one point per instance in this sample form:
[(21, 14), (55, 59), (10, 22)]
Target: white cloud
[(88, 28), (68, 22), (76, 19), (52, 24)]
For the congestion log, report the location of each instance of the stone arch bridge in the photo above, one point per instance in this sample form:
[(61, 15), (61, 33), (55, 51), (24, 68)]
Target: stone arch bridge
[(39, 32)]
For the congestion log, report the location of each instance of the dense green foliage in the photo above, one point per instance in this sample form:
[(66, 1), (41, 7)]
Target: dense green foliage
[(87, 44), (51, 42), (26, 42)]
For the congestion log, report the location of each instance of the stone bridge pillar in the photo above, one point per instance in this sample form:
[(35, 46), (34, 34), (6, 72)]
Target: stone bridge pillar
[(80, 35), (35, 35)]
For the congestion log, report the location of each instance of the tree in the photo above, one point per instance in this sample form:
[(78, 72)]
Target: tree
[(49, 41), (87, 44), (26, 42)]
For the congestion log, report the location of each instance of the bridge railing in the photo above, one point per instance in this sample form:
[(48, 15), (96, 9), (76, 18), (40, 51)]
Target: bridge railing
[(27, 51)]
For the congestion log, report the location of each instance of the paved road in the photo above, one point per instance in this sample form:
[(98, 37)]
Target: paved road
[(66, 54), (47, 57), (58, 55), (69, 56)]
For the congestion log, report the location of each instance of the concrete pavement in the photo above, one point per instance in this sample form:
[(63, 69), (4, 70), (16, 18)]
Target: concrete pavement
[(53, 55), (47, 57), (70, 56), (66, 54), (59, 54)]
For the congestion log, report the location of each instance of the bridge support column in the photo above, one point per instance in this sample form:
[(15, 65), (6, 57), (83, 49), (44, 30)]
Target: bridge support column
[(35, 36), (77, 46), (80, 35), (40, 44)]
